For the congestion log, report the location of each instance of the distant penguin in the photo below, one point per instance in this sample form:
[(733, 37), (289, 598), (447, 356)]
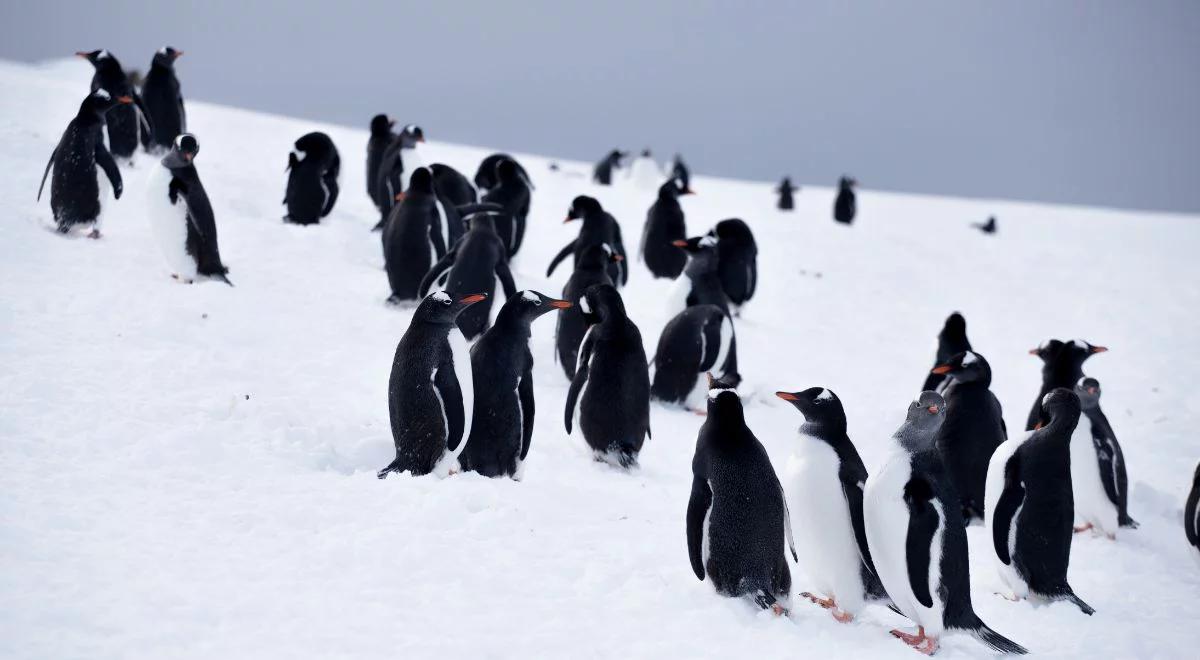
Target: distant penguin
[(737, 262), (475, 263), (952, 340), (646, 173), (680, 172), (698, 340), (381, 136), (513, 194), (701, 283), (664, 225), (1030, 507), (181, 217), (737, 518), (1191, 516), (591, 268), (485, 176), (988, 227), (76, 190), (845, 207), (917, 539), (1099, 482), (312, 186), (123, 121), (785, 190), (412, 239), (610, 392), (973, 430), (829, 480), (163, 101), (603, 172), (431, 396), (1062, 366), (504, 403), (598, 228), (396, 165)]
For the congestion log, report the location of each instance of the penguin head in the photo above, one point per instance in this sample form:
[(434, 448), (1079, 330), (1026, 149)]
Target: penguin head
[(99, 58), (528, 305), (927, 412), (382, 125), (166, 56), (1058, 403), (673, 188), (1088, 391), (421, 183), (846, 182), (1047, 350), (955, 327), (820, 406), (583, 206), (183, 151), (507, 171), (597, 257), (646, 153), (443, 307), (100, 102), (616, 156), (410, 136), (966, 367), (698, 246), (724, 404), (601, 302), (1080, 350)]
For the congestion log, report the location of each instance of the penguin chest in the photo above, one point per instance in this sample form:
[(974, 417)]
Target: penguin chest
[(827, 550), (169, 224), (1091, 500)]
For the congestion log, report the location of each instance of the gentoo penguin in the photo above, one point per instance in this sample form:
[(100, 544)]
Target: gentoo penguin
[(431, 396), (698, 340), (701, 284), (381, 136), (737, 260), (503, 371), (610, 392), (485, 176), (163, 101), (916, 536), (412, 239), (1191, 516), (312, 187), (598, 228), (474, 263), (680, 172), (452, 190), (76, 191), (1062, 366), (845, 207), (974, 428), (829, 480), (512, 193), (785, 190), (396, 165), (602, 173), (1098, 479), (123, 121), (591, 268), (181, 216), (646, 173), (1029, 505), (952, 340), (988, 227), (737, 519), (665, 224)]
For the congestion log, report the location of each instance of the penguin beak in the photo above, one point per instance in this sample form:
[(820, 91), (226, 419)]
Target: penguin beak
[(932, 409), (421, 139), (178, 54), (787, 396), (567, 219), (1037, 426), (80, 53), (1091, 390), (679, 243), (617, 257), (688, 191), (1099, 349), (129, 99), (399, 197), (187, 157), (472, 299), (1034, 351), (709, 376), (942, 369), (561, 304)]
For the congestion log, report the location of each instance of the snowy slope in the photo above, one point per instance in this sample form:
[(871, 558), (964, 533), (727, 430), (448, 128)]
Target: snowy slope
[(189, 471)]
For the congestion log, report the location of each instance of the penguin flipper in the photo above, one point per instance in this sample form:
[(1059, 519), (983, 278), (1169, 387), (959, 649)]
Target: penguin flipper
[(105, 160), (525, 394), (698, 505), (449, 390), (562, 254), (444, 264), (787, 522), (506, 279), (923, 523), (145, 123), (1010, 500), (46, 173), (852, 490), (581, 376), (331, 185)]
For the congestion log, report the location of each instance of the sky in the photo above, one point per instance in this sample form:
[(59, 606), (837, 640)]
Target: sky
[(1093, 103)]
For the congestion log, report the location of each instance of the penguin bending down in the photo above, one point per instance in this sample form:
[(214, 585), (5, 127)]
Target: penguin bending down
[(973, 430), (1062, 366), (702, 282), (163, 101), (76, 196), (598, 228), (845, 207), (512, 193), (664, 225), (830, 479), (475, 263), (452, 190), (396, 166), (412, 240), (592, 268), (1191, 516), (503, 372), (610, 392), (1030, 507), (917, 538), (988, 227), (312, 187), (181, 216), (698, 340), (737, 519), (602, 173), (485, 176), (785, 190), (737, 262), (381, 136), (1099, 483), (952, 340), (124, 121)]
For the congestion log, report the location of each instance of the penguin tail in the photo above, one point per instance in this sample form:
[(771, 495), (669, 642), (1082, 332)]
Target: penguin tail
[(996, 641), (394, 466), (1078, 602), (224, 278), (379, 225), (1126, 521)]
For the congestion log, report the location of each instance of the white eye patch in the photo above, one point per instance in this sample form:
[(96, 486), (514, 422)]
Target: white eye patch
[(583, 305), (531, 297), (102, 94), (825, 395), (442, 297), (970, 358)]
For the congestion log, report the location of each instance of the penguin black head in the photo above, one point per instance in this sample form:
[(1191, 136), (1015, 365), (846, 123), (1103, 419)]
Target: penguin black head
[(616, 155), (100, 102), (927, 412), (697, 245), (410, 135), (819, 406), (1074, 352), (1047, 350), (601, 302), (724, 404), (101, 59), (382, 125), (166, 56), (955, 327), (528, 305), (966, 367), (1057, 403), (420, 183), (672, 189), (583, 206), (1088, 391), (442, 307), (507, 171), (183, 151), (846, 183), (597, 257)]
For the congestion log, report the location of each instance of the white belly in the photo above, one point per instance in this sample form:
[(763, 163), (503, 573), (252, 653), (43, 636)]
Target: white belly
[(411, 160), (991, 495), (1091, 501), (168, 224)]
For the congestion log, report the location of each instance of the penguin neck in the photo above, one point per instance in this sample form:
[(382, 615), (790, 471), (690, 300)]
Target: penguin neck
[(832, 433), (728, 421), (1059, 430), (914, 441), (513, 322)]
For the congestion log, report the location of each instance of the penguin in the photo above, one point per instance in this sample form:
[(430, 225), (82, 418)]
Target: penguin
[(645, 172), (431, 396), (830, 479), (312, 186), (665, 224), (163, 101), (76, 191), (785, 190), (845, 207), (123, 121), (917, 539), (1099, 483), (474, 263), (181, 216), (737, 262), (737, 517), (1029, 505), (382, 135), (974, 428), (610, 392), (701, 284), (452, 190), (697, 340), (952, 340), (1062, 366), (485, 176), (602, 173), (512, 193), (1191, 516), (592, 268), (396, 165), (412, 240), (598, 228), (503, 370), (988, 227), (680, 172)]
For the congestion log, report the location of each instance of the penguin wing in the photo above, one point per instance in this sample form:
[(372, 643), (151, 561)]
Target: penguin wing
[(697, 512), (853, 484), (562, 254), (331, 189), (619, 247), (787, 522), (106, 163), (145, 122), (999, 410), (443, 265), (525, 395), (923, 523), (1106, 453), (46, 173), (454, 383), (581, 376), (1011, 499), (506, 278)]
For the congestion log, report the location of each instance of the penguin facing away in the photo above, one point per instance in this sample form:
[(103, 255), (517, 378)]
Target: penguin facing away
[(701, 284), (680, 172), (485, 176), (430, 392), (698, 340), (974, 428), (312, 186), (181, 217), (845, 207), (664, 225), (1099, 482), (602, 173), (737, 260), (163, 101), (382, 135), (412, 239), (1062, 366), (598, 228), (124, 121), (512, 193), (1191, 516), (396, 166), (785, 191), (591, 269), (952, 340)]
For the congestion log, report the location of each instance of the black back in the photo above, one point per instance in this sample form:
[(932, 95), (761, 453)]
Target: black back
[(602, 173), (163, 100), (974, 428), (664, 225), (312, 186), (74, 190), (688, 347), (412, 239), (511, 192), (1191, 513), (845, 207), (737, 263), (474, 264), (952, 340), (485, 176), (122, 120), (598, 227), (591, 269), (785, 190), (381, 136)]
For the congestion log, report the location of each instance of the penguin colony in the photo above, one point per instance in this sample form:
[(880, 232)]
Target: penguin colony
[(461, 394)]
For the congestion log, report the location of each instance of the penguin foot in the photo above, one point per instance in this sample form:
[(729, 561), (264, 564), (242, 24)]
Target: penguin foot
[(842, 616), (95, 233), (1083, 528), (919, 641), (827, 603), (697, 412), (778, 610), (1014, 598)]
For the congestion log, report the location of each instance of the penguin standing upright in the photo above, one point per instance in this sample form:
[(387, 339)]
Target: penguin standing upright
[(503, 372), (1030, 507), (664, 225), (431, 396), (452, 190), (610, 393), (163, 101), (737, 262), (181, 216), (973, 430), (845, 207), (602, 173), (952, 340), (512, 193), (485, 176), (591, 268), (785, 190), (701, 284), (696, 341), (830, 480), (1062, 366), (412, 240), (123, 121), (599, 228), (76, 193), (1099, 482), (737, 519), (312, 186), (396, 166), (680, 172), (1191, 516), (381, 136)]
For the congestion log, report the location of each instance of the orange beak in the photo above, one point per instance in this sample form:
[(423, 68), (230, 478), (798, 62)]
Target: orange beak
[(688, 191), (679, 243), (399, 197), (1099, 349), (1037, 426), (80, 53), (942, 369), (932, 409), (421, 139), (124, 99), (708, 375), (1033, 351), (472, 299), (787, 396), (178, 54), (1091, 390), (617, 257), (561, 304), (567, 219)]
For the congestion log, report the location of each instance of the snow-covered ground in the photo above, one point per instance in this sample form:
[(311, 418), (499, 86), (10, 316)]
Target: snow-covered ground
[(189, 471)]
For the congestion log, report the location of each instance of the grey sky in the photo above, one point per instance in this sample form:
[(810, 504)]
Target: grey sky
[(1085, 102)]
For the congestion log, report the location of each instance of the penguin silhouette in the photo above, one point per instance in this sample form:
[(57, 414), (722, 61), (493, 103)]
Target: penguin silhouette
[(785, 190), (598, 228), (952, 340), (664, 225), (845, 207), (412, 239), (381, 136), (696, 341), (1191, 516), (988, 227), (1099, 481), (124, 121), (312, 187), (591, 268), (163, 101), (1062, 366), (603, 172), (396, 165), (485, 176), (973, 430), (512, 193), (737, 261), (181, 216)]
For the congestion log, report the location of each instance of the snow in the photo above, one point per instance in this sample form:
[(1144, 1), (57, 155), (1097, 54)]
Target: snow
[(189, 471)]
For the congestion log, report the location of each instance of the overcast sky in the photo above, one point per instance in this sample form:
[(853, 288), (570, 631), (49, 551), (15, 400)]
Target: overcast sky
[(1091, 102)]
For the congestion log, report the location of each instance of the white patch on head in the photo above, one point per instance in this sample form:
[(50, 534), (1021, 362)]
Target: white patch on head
[(162, 51), (103, 54), (531, 297), (441, 296), (969, 358), (1079, 343), (1046, 398), (299, 155), (825, 395), (708, 241), (1080, 382), (102, 94), (607, 249), (715, 392), (584, 306)]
